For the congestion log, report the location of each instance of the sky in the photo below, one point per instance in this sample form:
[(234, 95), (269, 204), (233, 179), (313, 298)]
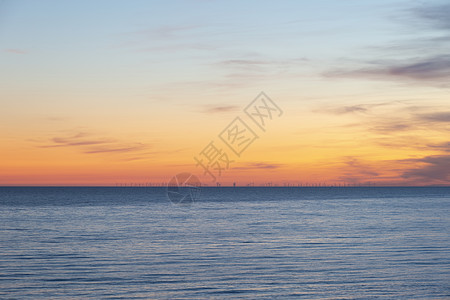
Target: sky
[(135, 92)]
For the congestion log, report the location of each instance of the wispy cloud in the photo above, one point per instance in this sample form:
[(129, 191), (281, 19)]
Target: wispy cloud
[(393, 117), (435, 170), (341, 110), (221, 109), (390, 127), (425, 60), (435, 117), (403, 120), (78, 139), (400, 122), (429, 170), (116, 149), (445, 147), (258, 165), (355, 167), (435, 16), (428, 69), (16, 51), (89, 144), (406, 141), (261, 63), (352, 109)]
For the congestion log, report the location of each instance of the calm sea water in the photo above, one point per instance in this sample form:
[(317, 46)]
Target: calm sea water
[(309, 243)]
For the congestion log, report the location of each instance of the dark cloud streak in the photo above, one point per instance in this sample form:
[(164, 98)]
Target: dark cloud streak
[(90, 145), (436, 169), (253, 166), (435, 116), (116, 150), (221, 109), (341, 110), (428, 59), (437, 17), (429, 69)]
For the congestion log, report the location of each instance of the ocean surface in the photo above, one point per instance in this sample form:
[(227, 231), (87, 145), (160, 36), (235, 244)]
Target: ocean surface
[(246, 243)]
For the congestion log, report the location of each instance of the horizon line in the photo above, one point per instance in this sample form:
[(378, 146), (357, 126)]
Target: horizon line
[(223, 186)]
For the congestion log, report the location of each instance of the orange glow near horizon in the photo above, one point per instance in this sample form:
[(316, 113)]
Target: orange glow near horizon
[(296, 150)]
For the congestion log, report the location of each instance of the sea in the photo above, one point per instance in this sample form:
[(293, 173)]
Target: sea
[(230, 243)]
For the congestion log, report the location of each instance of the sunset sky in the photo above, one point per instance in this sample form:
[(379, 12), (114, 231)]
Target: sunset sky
[(121, 92)]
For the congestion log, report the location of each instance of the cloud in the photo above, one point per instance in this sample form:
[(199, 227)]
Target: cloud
[(352, 109), (435, 117), (116, 149), (62, 142), (437, 67), (424, 59), (412, 118), (427, 69), (16, 51), (340, 110), (355, 167), (262, 64), (430, 170), (393, 117), (445, 147), (437, 16), (258, 165), (435, 169), (221, 109), (77, 139), (93, 145), (403, 122), (390, 127), (408, 142)]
